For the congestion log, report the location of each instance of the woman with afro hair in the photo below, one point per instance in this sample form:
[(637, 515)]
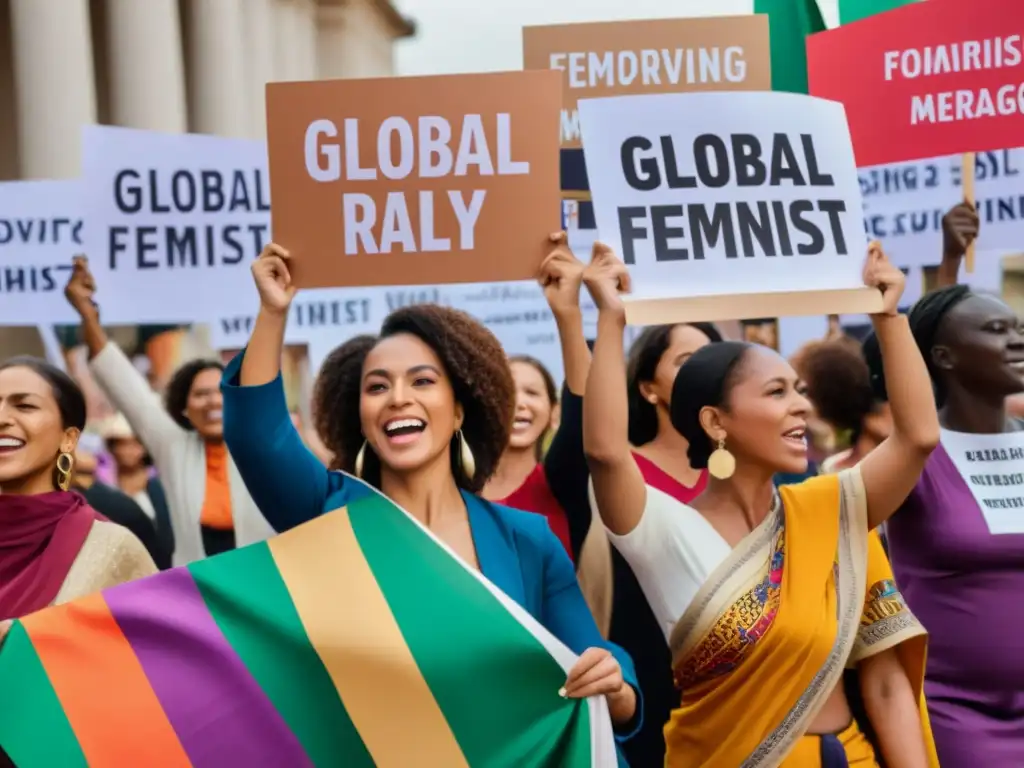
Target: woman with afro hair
[(422, 413)]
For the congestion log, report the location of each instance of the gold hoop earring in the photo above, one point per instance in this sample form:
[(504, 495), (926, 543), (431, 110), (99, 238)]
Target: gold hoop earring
[(466, 458), (721, 463), (360, 460), (65, 464)]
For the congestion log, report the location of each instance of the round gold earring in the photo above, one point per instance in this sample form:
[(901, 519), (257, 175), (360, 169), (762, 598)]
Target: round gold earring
[(721, 463), (65, 465), (360, 460), (466, 458)]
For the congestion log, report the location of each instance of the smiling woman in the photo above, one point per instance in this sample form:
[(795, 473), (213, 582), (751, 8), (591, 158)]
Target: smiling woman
[(422, 413), (53, 546)]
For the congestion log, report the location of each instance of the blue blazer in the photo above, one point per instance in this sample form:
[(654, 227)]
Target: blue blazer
[(516, 550)]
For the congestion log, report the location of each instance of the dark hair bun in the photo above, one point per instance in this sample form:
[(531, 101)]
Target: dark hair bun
[(703, 380)]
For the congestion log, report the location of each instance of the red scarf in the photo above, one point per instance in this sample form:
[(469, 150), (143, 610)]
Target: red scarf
[(40, 537)]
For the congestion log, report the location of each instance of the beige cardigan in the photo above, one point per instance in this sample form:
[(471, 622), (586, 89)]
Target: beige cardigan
[(110, 555), (179, 456)]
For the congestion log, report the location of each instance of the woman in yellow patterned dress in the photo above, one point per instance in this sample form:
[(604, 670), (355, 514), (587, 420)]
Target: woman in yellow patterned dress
[(766, 596)]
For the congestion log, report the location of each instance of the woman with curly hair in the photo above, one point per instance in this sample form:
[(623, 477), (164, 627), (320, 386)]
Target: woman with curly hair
[(210, 509), (421, 413), (839, 386)]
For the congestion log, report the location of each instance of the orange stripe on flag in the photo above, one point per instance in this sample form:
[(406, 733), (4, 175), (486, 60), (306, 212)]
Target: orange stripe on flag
[(106, 697)]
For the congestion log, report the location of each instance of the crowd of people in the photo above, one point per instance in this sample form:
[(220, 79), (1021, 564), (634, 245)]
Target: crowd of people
[(759, 561)]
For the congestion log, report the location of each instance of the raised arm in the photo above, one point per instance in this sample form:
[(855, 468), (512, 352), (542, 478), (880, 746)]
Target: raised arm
[(618, 485), (565, 465), (122, 383), (891, 470), (287, 482)]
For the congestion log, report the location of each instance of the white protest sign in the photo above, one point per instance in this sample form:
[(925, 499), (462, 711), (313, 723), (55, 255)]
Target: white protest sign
[(992, 466), (912, 291), (728, 205), (175, 221), (904, 203), (339, 312), (40, 233)]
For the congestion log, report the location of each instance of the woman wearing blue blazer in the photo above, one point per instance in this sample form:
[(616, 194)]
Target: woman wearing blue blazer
[(422, 413)]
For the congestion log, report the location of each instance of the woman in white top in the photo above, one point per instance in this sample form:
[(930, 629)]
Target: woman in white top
[(764, 596), (210, 509)]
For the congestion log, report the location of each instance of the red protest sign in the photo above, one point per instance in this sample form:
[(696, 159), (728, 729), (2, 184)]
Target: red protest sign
[(932, 78)]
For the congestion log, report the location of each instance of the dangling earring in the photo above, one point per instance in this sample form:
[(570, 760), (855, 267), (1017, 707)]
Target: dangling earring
[(360, 459), (65, 463), (466, 456), (721, 463), (653, 399)]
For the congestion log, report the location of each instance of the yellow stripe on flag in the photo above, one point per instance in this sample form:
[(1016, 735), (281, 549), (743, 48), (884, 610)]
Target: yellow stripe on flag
[(349, 623)]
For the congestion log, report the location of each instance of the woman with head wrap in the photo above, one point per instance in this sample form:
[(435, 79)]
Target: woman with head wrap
[(766, 595), (963, 578)]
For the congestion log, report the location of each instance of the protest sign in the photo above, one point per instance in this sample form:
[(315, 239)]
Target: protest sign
[(992, 467), (345, 312), (929, 79), (415, 180), (40, 232), (616, 58), (174, 222), (904, 203), (728, 205)]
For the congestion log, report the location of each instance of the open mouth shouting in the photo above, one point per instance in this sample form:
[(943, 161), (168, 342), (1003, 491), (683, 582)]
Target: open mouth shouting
[(796, 438), (403, 431), (522, 422)]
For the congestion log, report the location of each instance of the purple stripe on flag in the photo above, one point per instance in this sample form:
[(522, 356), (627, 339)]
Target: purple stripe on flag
[(220, 713)]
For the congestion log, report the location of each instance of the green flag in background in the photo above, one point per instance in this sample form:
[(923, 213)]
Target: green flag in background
[(789, 23), (855, 10)]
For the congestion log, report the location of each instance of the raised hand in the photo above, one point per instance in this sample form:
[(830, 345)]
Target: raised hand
[(606, 278), (81, 289), (561, 275), (960, 228), (880, 273), (274, 279)]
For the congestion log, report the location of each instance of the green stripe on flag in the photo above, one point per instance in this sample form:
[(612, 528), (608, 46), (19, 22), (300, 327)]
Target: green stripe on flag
[(789, 24), (49, 739), (855, 10), (251, 605), (503, 708)]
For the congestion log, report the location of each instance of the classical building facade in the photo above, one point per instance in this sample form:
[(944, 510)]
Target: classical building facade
[(165, 65)]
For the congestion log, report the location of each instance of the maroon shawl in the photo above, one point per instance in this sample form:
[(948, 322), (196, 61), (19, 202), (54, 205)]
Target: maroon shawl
[(40, 537)]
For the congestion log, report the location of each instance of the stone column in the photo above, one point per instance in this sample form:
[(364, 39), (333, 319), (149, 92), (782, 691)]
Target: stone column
[(296, 40), (147, 69), (217, 84), (260, 57), (53, 76)]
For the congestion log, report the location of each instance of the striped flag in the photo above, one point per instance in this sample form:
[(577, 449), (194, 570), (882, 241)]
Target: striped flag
[(357, 639)]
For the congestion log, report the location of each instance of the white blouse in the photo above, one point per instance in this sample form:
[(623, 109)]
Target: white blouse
[(672, 550)]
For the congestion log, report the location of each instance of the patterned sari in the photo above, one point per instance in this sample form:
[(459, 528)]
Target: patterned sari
[(768, 636)]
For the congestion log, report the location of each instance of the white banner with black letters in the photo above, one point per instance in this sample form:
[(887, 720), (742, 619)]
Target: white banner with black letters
[(174, 223), (724, 194), (904, 204), (992, 466), (40, 233)]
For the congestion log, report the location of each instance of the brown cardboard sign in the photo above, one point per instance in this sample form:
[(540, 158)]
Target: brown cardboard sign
[(414, 180), (620, 58)]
